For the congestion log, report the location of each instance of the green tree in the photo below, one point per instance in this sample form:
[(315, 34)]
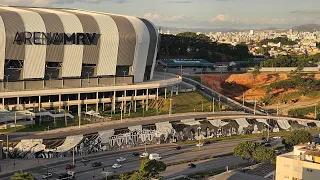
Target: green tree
[(139, 175), (148, 169), (22, 176), (297, 137), (245, 149), (255, 72), (264, 154)]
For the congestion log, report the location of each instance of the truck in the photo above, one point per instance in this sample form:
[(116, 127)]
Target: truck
[(154, 156)]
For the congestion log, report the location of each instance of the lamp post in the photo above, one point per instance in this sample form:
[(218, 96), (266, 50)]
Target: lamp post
[(199, 129)]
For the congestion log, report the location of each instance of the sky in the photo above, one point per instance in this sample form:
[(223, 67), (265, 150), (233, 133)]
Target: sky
[(207, 14)]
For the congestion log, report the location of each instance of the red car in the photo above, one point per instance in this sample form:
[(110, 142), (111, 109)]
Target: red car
[(69, 166)]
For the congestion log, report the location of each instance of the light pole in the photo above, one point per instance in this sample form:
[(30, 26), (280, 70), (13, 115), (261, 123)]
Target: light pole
[(88, 78), (170, 107), (199, 129), (50, 74), (212, 103)]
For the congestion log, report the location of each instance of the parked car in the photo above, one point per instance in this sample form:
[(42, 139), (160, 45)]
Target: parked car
[(199, 144), (116, 166), (191, 165), (178, 147), (135, 154), (154, 156), (46, 175), (84, 160), (207, 142), (69, 166), (121, 159), (144, 155), (96, 164)]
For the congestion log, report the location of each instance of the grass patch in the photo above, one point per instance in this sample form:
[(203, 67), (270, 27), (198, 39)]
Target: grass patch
[(300, 112), (201, 175), (44, 125), (192, 102), (195, 78), (212, 140)]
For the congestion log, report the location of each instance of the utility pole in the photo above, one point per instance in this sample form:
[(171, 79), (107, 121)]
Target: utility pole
[(170, 107), (7, 146), (73, 157), (202, 105), (243, 99), (255, 105), (121, 111), (212, 104)]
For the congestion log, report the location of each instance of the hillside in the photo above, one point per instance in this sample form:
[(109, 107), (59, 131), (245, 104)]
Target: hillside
[(307, 27)]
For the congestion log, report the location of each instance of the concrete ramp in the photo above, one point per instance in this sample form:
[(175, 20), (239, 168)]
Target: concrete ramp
[(218, 123), (303, 123), (242, 122), (264, 121), (69, 143), (284, 124), (105, 136), (135, 128), (190, 122)]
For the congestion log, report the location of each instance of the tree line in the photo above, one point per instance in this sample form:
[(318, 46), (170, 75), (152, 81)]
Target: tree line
[(190, 45), (292, 61)]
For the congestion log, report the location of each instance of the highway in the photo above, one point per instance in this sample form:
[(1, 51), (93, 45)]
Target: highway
[(166, 151)]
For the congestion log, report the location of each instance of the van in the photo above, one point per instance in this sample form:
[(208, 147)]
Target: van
[(154, 156)]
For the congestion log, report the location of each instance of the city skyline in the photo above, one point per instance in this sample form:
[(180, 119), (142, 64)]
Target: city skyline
[(209, 14)]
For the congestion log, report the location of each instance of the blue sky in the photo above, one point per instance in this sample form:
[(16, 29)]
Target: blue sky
[(239, 14)]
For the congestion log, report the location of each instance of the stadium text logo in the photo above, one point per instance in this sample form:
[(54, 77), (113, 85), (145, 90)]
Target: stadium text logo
[(42, 38)]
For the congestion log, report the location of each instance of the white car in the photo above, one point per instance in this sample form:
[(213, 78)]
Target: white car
[(47, 175), (277, 137), (116, 166), (121, 159), (144, 155), (199, 145)]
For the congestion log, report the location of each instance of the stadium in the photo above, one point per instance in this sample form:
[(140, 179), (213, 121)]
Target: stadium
[(53, 58)]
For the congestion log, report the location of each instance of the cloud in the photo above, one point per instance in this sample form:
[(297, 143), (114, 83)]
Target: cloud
[(55, 2), (162, 18), (227, 18), (310, 11)]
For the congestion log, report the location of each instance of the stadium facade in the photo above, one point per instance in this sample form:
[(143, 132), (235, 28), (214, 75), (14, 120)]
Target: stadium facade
[(50, 56)]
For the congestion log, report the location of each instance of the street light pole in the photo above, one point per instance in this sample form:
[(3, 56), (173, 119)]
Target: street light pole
[(212, 104), (170, 107)]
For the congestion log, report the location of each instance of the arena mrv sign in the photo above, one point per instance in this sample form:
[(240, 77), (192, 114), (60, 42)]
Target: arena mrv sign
[(42, 38)]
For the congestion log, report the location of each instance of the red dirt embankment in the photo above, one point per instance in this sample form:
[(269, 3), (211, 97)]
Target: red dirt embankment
[(235, 85)]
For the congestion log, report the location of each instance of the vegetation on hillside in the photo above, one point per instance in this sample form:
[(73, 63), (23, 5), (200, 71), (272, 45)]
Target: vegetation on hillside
[(299, 85), (191, 45), (282, 40), (292, 61)]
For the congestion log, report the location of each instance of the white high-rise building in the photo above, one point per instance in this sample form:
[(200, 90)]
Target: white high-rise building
[(251, 32)]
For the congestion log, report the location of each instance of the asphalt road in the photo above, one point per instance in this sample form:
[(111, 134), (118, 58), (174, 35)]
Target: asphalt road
[(167, 152)]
